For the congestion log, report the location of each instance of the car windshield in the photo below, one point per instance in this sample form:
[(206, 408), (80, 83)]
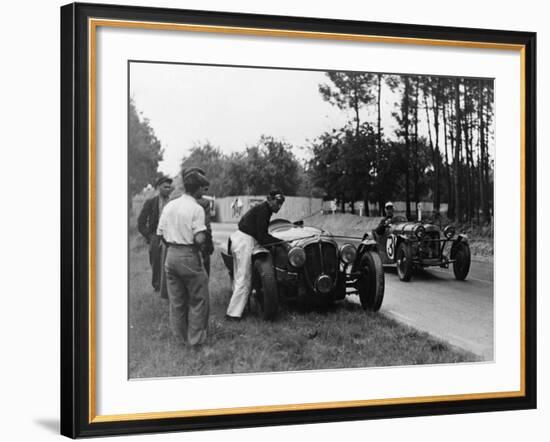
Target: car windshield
[(399, 219), (282, 227)]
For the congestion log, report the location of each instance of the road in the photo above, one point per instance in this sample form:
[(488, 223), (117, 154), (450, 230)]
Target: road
[(459, 312)]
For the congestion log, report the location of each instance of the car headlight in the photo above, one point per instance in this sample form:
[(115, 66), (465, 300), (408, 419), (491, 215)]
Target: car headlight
[(296, 256), (449, 232), (419, 231), (323, 284), (348, 253)]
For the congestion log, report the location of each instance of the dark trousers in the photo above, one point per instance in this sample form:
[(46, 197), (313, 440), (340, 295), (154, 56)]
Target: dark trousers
[(206, 262), (188, 294), (163, 287), (155, 260)]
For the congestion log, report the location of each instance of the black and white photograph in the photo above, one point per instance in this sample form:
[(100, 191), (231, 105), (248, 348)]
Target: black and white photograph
[(275, 221), (286, 220)]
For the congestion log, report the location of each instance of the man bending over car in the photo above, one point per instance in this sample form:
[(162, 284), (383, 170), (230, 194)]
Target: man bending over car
[(252, 231)]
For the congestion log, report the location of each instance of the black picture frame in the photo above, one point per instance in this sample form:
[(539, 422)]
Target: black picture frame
[(76, 420)]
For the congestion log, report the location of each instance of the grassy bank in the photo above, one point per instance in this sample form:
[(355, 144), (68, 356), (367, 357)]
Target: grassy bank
[(480, 237), (343, 337)]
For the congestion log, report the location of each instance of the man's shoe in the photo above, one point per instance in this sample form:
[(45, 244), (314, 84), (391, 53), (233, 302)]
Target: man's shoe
[(232, 318)]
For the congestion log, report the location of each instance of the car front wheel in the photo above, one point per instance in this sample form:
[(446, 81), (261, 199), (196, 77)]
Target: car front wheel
[(461, 266), (403, 259), (371, 281), (264, 285)]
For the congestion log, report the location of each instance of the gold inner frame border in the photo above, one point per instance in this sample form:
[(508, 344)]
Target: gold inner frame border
[(93, 24)]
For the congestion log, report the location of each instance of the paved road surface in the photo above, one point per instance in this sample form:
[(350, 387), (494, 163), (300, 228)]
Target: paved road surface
[(459, 312)]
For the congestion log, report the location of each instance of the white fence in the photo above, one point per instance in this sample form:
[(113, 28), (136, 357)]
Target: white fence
[(398, 206), (232, 208)]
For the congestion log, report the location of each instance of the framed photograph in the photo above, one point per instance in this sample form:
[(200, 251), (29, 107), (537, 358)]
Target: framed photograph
[(273, 220)]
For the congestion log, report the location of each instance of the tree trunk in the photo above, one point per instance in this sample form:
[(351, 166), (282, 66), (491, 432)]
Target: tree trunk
[(481, 141), (471, 184), (458, 146), (406, 107), (485, 160), (481, 161), (447, 167), (466, 133), (427, 108), (356, 109), (470, 156), (415, 153), (479, 200), (437, 191), (452, 195), (473, 175), (378, 144)]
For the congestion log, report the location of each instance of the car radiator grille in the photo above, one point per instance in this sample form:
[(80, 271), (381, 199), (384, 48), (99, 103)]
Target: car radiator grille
[(430, 249), (321, 258)]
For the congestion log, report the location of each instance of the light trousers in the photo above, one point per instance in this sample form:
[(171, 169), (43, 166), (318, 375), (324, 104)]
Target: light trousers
[(187, 285), (241, 248)]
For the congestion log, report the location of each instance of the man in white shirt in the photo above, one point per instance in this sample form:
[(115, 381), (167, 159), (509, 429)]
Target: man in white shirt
[(182, 226)]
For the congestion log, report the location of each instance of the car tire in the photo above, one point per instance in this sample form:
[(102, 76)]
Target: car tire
[(265, 286), (403, 261), (371, 282), (462, 257)]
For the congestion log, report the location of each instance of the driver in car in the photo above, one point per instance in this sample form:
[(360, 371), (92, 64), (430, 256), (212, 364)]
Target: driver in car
[(252, 230), (386, 221)]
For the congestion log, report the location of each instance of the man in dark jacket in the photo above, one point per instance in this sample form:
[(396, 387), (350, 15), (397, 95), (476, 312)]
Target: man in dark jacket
[(385, 222), (148, 220), (252, 230)]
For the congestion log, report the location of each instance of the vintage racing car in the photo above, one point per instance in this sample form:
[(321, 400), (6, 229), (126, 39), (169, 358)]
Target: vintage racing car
[(315, 270), (417, 244)]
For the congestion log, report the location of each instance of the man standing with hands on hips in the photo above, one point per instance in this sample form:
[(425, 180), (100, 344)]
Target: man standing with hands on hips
[(182, 226), (252, 230)]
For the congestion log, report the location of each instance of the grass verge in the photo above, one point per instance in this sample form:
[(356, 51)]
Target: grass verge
[(343, 337)]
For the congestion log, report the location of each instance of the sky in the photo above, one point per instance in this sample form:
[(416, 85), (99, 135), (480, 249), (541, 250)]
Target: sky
[(232, 107)]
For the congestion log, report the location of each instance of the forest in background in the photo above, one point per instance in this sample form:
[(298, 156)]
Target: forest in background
[(437, 148)]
